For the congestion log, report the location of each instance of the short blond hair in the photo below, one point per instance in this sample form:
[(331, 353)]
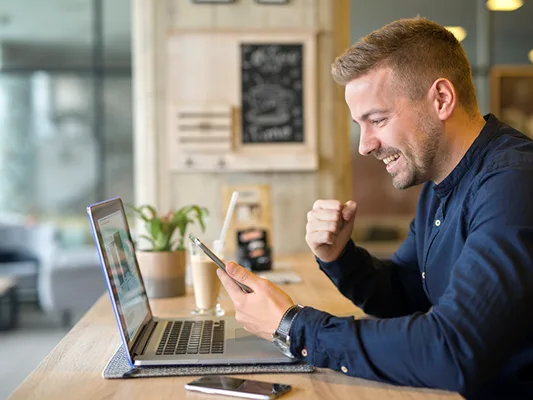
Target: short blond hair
[(418, 51)]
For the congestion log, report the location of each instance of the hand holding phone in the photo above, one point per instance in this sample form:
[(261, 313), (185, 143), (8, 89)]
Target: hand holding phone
[(217, 261), (228, 386)]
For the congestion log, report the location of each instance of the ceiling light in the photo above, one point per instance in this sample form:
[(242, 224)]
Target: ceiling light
[(458, 31), (530, 55), (504, 5)]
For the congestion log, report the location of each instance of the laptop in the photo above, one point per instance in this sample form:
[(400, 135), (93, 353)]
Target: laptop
[(152, 341)]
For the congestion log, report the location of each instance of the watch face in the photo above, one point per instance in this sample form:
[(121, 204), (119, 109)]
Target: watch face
[(282, 346)]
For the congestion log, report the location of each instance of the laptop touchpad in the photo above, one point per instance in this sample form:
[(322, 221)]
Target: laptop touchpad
[(242, 335), (248, 344)]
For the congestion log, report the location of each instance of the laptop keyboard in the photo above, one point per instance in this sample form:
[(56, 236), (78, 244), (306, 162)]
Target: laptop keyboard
[(192, 337)]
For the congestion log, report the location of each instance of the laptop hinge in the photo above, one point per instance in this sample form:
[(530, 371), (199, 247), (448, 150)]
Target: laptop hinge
[(144, 337)]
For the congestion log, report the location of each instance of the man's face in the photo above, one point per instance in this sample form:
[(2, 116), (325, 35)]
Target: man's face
[(400, 132)]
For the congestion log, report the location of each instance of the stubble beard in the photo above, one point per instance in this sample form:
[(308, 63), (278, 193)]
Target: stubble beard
[(420, 162)]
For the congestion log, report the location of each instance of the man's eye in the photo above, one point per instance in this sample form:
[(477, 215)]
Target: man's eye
[(378, 121)]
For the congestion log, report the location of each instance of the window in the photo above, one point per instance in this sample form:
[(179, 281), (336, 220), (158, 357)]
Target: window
[(66, 136)]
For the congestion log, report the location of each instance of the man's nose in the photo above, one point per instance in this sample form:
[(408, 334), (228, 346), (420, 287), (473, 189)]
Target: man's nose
[(367, 142)]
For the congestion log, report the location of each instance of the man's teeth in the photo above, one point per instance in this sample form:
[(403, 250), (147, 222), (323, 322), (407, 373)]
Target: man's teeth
[(391, 158)]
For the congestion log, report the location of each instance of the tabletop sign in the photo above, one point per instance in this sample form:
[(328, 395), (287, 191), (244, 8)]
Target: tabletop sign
[(272, 93)]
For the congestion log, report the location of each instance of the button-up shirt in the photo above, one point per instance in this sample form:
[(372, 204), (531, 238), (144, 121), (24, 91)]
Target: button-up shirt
[(455, 302)]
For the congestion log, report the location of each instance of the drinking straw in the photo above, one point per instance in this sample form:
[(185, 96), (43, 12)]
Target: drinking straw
[(229, 214)]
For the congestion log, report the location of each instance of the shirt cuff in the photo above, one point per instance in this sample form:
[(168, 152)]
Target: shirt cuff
[(303, 333), (335, 268)]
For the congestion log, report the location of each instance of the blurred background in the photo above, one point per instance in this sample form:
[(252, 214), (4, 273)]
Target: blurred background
[(65, 106), (66, 135), (69, 137)]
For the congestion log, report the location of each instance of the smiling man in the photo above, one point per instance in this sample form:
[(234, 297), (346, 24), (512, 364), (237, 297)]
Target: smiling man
[(403, 132), (454, 305)]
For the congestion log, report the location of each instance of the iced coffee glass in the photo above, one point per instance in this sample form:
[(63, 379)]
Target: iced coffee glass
[(205, 282)]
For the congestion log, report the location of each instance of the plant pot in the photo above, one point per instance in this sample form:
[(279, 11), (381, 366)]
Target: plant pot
[(163, 273)]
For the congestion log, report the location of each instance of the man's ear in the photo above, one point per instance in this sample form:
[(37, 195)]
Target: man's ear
[(442, 94)]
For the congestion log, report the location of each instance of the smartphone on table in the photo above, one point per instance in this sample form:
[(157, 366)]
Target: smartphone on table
[(245, 388), (217, 261)]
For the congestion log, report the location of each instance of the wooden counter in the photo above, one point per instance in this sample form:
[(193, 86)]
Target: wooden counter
[(73, 368)]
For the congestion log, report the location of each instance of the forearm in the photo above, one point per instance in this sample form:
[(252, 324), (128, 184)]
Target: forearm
[(378, 287), (411, 351), (476, 327)]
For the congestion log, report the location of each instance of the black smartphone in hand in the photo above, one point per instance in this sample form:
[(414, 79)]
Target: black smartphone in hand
[(217, 261)]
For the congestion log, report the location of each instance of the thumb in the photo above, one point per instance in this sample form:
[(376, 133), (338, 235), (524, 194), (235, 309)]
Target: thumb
[(349, 210), (240, 274)]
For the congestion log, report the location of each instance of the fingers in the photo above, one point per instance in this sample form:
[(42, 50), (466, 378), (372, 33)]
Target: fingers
[(332, 211), (349, 210), (327, 220), (318, 225), (324, 215), (234, 291), (327, 205), (315, 239), (241, 275)]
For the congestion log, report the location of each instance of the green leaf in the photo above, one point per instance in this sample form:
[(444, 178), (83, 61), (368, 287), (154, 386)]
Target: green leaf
[(200, 212), (180, 221), (161, 230), (150, 239), (154, 226), (151, 211), (141, 213)]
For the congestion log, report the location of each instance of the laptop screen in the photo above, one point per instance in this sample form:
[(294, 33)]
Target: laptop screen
[(123, 273)]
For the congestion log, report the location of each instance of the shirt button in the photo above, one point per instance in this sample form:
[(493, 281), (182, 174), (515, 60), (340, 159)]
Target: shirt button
[(304, 352), (423, 275), (344, 369), (437, 222)]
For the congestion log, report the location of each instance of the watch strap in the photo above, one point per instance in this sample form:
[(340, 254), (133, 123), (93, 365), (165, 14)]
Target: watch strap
[(284, 326)]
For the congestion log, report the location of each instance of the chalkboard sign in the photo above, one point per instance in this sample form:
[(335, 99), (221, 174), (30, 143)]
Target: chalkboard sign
[(272, 93)]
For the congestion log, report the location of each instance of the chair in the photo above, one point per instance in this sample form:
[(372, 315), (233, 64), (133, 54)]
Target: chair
[(19, 259), (72, 283), (66, 282)]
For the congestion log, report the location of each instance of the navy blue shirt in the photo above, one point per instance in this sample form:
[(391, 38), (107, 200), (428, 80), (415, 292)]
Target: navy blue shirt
[(455, 303)]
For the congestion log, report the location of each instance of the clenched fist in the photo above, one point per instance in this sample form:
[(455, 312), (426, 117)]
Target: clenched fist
[(329, 227)]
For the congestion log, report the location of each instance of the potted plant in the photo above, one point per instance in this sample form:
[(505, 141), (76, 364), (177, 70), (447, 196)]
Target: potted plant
[(162, 263)]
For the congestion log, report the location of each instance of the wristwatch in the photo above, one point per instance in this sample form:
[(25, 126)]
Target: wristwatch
[(280, 337)]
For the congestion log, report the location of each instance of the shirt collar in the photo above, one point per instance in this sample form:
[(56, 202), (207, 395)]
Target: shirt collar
[(471, 155)]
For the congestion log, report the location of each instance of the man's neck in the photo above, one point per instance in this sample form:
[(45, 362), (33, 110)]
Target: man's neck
[(461, 131)]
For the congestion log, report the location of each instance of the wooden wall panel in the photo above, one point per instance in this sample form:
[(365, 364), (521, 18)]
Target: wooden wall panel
[(292, 193), (340, 22)]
